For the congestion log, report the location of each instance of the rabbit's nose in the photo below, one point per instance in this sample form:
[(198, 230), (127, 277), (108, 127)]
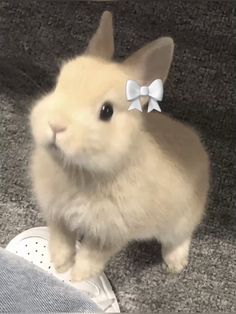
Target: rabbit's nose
[(56, 128)]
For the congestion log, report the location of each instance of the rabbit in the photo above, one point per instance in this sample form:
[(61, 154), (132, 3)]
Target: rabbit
[(110, 175)]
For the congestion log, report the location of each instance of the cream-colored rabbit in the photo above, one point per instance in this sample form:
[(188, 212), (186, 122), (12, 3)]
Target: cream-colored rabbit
[(110, 174)]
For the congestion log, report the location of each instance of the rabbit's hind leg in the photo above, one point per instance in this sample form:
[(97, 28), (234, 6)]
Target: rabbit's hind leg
[(175, 255)]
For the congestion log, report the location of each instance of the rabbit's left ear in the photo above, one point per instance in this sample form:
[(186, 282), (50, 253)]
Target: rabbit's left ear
[(102, 42), (152, 61)]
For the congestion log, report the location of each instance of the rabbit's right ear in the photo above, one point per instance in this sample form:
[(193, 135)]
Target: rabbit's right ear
[(102, 42)]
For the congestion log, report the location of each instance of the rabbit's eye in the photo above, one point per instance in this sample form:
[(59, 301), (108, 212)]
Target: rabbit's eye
[(106, 111)]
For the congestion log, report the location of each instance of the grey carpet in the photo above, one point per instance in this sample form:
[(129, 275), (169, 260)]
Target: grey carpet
[(36, 35)]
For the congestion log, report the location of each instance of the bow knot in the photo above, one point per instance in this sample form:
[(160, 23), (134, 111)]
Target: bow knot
[(154, 91), (144, 91)]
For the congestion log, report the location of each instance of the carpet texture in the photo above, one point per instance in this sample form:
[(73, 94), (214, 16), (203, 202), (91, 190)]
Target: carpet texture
[(35, 36)]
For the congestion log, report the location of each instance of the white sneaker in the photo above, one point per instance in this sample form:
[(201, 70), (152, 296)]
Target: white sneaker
[(32, 245)]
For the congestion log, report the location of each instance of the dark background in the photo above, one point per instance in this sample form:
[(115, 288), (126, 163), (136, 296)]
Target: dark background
[(35, 36)]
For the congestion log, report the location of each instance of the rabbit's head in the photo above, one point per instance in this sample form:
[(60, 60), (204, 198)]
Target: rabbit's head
[(85, 119)]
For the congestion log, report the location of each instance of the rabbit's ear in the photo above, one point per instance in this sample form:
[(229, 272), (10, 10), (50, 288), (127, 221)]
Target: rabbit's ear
[(102, 42), (153, 61)]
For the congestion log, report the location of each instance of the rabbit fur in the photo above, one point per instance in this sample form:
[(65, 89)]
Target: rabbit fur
[(138, 176)]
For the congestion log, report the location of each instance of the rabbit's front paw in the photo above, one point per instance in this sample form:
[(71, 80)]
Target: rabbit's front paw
[(61, 248), (85, 268), (62, 258), (62, 255)]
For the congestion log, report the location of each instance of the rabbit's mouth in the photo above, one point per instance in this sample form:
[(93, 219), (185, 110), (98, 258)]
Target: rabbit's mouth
[(59, 154), (54, 148)]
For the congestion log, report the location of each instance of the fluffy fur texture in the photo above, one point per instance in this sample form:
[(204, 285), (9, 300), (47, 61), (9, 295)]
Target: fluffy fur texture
[(138, 176)]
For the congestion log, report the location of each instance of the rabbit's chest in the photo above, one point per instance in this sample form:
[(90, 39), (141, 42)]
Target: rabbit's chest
[(108, 210), (94, 215)]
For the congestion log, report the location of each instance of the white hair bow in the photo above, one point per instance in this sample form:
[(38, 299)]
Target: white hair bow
[(154, 91)]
